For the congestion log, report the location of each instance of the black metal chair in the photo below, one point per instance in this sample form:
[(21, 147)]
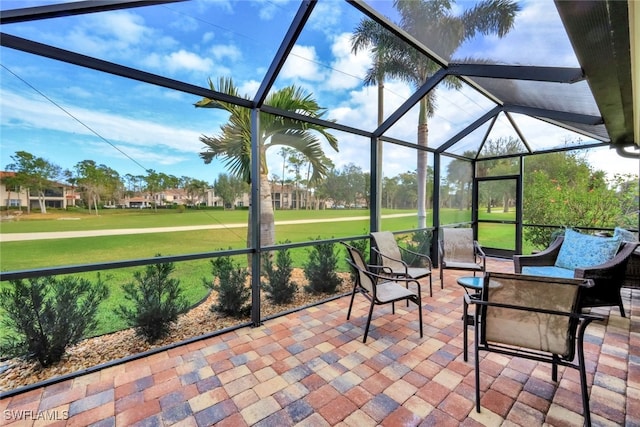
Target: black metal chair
[(608, 277), (379, 289), (457, 250), (390, 258), (534, 317)]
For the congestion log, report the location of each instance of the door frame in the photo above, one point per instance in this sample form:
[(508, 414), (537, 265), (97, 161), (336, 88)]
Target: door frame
[(501, 253)]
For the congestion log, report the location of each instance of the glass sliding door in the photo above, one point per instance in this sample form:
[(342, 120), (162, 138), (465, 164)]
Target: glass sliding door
[(498, 215)]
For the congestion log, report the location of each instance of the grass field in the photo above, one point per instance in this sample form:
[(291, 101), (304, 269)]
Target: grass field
[(22, 255)]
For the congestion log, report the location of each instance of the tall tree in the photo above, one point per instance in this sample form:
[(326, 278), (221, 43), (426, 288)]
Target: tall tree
[(563, 189), (196, 190), (229, 188), (97, 182), (434, 24), (36, 174), (296, 162), (154, 184), (233, 145)]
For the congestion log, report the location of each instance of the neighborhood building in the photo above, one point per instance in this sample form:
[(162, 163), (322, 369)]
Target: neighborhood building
[(56, 195)]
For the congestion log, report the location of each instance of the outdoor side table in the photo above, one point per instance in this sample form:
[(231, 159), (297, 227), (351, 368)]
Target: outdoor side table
[(471, 283)]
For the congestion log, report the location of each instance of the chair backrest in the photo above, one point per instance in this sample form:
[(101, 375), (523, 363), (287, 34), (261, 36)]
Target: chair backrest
[(386, 244), (457, 244), (530, 328), (356, 260)]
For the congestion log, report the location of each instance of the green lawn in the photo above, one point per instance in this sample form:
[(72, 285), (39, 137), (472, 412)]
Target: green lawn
[(63, 252)]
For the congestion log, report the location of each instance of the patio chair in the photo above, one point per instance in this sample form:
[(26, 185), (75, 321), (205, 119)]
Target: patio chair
[(608, 275), (457, 250), (379, 289), (390, 258), (533, 317)]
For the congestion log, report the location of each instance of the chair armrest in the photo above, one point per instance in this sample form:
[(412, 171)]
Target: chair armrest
[(478, 249), (614, 268), (388, 257), (480, 253), (542, 258), (381, 278), (419, 255)]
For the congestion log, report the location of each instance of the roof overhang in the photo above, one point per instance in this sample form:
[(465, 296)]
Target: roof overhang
[(603, 35)]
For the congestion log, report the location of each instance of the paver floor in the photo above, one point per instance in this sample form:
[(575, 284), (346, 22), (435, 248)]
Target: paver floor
[(310, 368)]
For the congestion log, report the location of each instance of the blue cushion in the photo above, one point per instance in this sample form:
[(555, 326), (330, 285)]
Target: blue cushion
[(624, 235), (548, 272), (582, 250)]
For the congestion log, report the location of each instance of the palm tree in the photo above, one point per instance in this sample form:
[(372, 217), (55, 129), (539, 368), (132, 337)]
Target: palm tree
[(433, 23), (233, 145)]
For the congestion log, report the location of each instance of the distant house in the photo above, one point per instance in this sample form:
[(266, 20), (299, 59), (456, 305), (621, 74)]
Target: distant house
[(56, 195), (216, 201)]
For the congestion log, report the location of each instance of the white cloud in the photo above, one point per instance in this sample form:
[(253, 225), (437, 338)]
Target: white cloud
[(302, 63), (324, 17), (231, 52), (249, 88), (208, 36), (348, 69), (189, 61), (125, 26), (29, 113), (268, 9)]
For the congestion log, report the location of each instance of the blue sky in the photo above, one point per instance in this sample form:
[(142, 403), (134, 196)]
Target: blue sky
[(67, 114)]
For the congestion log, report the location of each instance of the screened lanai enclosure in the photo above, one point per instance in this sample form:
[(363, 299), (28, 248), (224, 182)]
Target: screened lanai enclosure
[(513, 118)]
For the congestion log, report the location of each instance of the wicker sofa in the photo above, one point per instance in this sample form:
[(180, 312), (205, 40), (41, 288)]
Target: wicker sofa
[(608, 276)]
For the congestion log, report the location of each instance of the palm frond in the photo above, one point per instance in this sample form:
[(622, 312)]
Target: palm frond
[(490, 17), (226, 86), (308, 145), (233, 145)]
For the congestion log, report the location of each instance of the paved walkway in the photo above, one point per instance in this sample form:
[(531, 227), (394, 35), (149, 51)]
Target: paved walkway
[(310, 368), (16, 237)]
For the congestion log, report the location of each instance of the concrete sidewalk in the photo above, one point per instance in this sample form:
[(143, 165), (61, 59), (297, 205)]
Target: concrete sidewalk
[(16, 237)]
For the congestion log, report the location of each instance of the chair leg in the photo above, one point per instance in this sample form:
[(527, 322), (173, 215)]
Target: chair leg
[(441, 279), (621, 308), (554, 368), (430, 285), (353, 294), (417, 301), (366, 328), (465, 334), (477, 366), (583, 376)]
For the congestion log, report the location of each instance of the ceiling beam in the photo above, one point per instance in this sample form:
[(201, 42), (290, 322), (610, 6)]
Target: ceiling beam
[(561, 116), (73, 8), (24, 45), (518, 72), (599, 34)]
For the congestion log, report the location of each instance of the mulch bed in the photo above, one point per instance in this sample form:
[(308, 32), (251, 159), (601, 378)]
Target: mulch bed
[(198, 321)]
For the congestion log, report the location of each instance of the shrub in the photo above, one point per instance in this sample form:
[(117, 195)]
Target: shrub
[(47, 314), (279, 287), (320, 269), (229, 280), (157, 301)]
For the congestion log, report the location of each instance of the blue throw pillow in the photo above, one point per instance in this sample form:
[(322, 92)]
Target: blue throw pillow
[(582, 250), (624, 235)]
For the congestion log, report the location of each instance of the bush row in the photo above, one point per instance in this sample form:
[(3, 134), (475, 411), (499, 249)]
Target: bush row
[(45, 315)]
